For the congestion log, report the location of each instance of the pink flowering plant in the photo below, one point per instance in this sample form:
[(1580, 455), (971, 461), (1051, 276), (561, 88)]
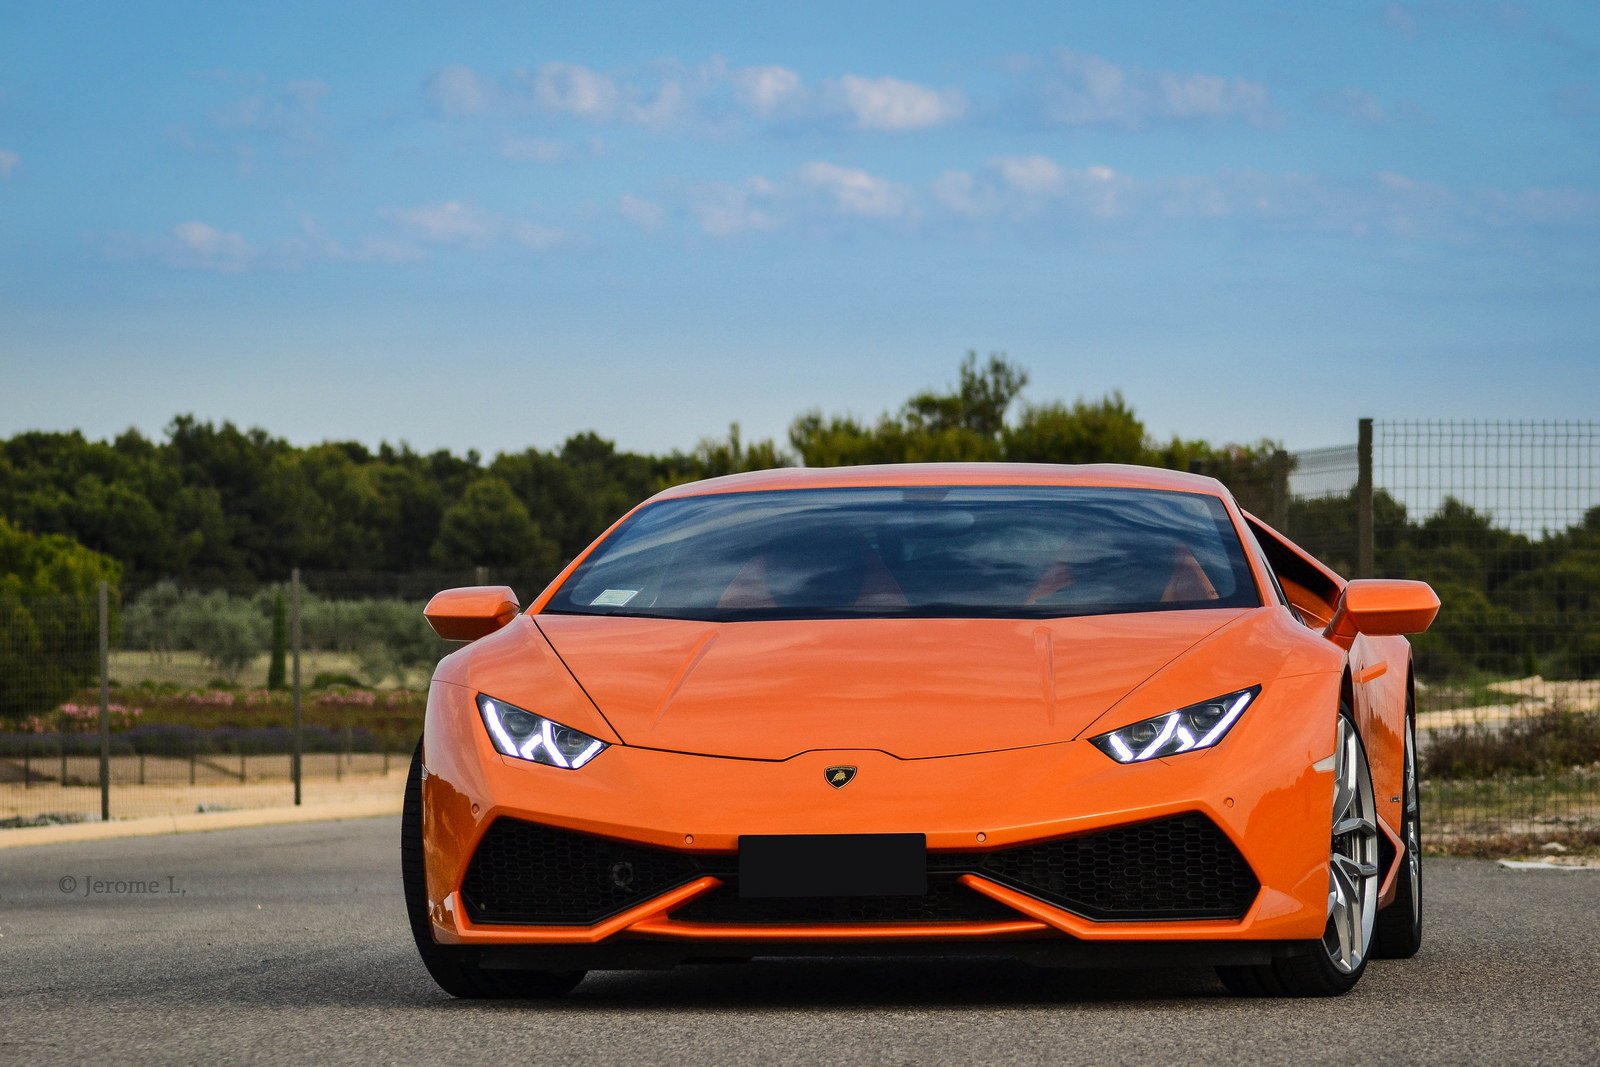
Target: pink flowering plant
[(85, 718)]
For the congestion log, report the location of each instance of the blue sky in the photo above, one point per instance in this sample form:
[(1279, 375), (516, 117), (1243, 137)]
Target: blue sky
[(496, 225)]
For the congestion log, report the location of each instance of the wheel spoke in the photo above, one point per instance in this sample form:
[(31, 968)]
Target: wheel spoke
[(1344, 874), (1353, 870), (1352, 865), (1342, 930), (1344, 786), (1354, 824)]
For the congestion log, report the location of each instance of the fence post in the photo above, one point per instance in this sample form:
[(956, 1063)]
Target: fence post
[(482, 576), (1280, 491), (1364, 536), (294, 646), (105, 702)]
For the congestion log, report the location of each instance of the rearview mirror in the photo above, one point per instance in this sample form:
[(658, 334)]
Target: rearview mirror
[(1382, 607), (471, 612)]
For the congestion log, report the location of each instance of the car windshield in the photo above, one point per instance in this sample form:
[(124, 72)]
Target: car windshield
[(915, 552)]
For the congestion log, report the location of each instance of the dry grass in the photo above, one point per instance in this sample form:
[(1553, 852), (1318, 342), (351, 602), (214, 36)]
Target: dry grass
[(1571, 843)]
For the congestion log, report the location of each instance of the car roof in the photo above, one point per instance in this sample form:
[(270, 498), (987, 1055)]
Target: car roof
[(1122, 475)]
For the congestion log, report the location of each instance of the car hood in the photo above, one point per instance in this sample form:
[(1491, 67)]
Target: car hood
[(914, 688)]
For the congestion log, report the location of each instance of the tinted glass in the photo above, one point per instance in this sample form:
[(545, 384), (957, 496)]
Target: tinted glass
[(966, 551)]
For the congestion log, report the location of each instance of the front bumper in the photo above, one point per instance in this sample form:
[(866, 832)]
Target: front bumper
[(1259, 789)]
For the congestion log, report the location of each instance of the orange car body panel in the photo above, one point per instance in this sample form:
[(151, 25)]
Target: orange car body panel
[(723, 730)]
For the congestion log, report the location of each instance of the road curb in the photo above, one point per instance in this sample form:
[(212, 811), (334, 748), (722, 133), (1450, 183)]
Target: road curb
[(367, 808)]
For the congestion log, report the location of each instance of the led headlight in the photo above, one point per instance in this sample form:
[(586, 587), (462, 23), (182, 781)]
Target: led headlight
[(525, 735), (1185, 730)]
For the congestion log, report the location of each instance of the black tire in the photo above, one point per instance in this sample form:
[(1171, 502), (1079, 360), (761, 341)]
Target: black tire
[(450, 967), (1309, 971), (1399, 933)]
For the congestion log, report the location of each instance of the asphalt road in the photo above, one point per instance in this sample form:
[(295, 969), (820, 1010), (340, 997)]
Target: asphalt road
[(289, 943)]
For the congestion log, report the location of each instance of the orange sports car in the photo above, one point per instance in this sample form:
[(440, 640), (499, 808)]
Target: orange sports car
[(1076, 715)]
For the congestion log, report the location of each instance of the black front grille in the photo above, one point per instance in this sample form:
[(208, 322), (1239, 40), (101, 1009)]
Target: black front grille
[(526, 873), (946, 901), (1175, 868)]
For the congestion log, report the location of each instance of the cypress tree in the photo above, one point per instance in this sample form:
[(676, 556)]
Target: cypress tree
[(277, 669)]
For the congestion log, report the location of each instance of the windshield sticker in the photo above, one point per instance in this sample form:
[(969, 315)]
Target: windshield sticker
[(613, 598)]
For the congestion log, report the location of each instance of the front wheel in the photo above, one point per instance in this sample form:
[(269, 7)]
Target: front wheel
[(1334, 964), (450, 968)]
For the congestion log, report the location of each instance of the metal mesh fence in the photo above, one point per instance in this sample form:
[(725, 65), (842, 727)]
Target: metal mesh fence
[(1503, 519), (1321, 514), (200, 696), (49, 706)]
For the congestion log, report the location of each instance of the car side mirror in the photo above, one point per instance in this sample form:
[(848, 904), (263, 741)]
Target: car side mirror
[(471, 612), (1382, 607)]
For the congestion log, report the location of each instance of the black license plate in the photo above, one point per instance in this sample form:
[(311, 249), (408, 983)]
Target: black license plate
[(833, 865)]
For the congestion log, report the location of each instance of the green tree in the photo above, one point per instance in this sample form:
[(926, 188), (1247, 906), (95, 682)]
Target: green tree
[(49, 618), (964, 423), (714, 457), (1102, 431), (490, 527), (277, 667)]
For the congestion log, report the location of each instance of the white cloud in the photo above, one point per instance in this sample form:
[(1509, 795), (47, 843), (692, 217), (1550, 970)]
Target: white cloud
[(201, 246), (891, 104), (646, 214), (450, 222), (1211, 96), (855, 192), (575, 89), (285, 121), (457, 90), (8, 162), (532, 235), (294, 111), (454, 222), (1086, 89), (665, 107), (1359, 105), (768, 90), (725, 210), (960, 192), (709, 96), (1023, 186), (314, 243), (1030, 174), (1100, 190)]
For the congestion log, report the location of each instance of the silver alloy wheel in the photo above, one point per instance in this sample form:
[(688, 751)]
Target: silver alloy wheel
[(1353, 865), (1413, 821)]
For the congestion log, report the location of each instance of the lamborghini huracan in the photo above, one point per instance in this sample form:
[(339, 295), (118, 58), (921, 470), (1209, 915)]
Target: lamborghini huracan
[(1074, 715)]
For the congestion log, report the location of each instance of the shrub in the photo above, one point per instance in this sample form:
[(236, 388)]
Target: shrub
[(49, 619), (1554, 739), (330, 679)]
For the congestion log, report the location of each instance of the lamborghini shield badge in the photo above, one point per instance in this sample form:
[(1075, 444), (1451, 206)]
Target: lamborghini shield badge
[(839, 777)]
